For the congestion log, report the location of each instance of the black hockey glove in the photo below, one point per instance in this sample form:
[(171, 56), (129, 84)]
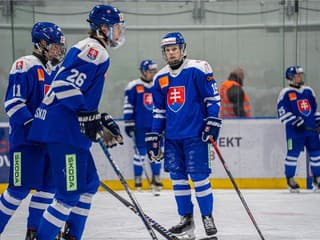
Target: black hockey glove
[(129, 127), (154, 151), (298, 123), (211, 129), (91, 125), (113, 128)]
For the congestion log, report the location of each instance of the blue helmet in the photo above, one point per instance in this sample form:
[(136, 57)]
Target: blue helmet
[(48, 32), (104, 14), (292, 71), (172, 38), (146, 65)]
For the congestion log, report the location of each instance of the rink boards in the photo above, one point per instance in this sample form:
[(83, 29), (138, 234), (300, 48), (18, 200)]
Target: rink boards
[(254, 151)]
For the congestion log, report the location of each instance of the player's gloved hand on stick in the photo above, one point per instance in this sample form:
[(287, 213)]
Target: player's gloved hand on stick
[(154, 151), (112, 134), (211, 129), (91, 125), (298, 123), (129, 127)]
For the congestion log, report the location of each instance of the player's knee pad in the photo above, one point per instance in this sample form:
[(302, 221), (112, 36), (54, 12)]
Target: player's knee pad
[(16, 193), (178, 176), (199, 176)]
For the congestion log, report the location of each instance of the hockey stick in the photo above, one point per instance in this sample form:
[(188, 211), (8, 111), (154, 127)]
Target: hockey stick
[(125, 184), (160, 229), (312, 129), (213, 143)]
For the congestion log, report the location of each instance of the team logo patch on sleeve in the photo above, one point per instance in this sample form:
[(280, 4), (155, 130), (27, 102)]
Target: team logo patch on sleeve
[(140, 89), (19, 65), (40, 74), (148, 101), (176, 98), (304, 107), (92, 54), (292, 96), (164, 81)]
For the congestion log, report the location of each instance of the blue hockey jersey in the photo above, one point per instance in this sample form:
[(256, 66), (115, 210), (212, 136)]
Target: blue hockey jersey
[(183, 98), (29, 80), (77, 87), (298, 102), (138, 103)]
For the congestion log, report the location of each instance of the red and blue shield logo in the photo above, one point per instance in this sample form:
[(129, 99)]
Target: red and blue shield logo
[(176, 98), (148, 101), (92, 54), (304, 107)]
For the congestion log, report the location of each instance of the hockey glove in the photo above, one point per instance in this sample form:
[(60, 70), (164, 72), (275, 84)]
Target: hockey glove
[(129, 127), (298, 123), (113, 128), (154, 151), (91, 125), (211, 129)]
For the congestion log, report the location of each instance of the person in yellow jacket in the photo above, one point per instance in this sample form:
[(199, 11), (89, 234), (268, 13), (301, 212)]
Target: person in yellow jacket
[(234, 100)]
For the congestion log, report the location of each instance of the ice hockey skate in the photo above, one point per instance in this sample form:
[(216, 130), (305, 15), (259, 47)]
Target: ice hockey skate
[(65, 234), (316, 183), (31, 234), (209, 226), (138, 183), (156, 185), (185, 228), (293, 186)]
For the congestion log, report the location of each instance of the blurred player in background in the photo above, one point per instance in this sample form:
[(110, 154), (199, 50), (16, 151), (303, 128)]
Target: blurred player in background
[(186, 108), (137, 113), (68, 120), (297, 110), (29, 80)]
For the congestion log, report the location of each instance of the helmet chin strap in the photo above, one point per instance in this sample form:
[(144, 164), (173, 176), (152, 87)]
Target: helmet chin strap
[(100, 34)]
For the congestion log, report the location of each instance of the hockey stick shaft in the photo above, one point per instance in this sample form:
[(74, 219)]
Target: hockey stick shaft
[(244, 203), (160, 229), (312, 129), (125, 184)]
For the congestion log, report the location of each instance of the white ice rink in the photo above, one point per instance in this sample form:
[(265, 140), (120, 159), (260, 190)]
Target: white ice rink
[(279, 214)]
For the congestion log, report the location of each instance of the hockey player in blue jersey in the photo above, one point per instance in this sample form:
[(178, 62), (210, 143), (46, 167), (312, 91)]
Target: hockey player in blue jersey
[(137, 113), (68, 120), (186, 108), (297, 110), (29, 79)]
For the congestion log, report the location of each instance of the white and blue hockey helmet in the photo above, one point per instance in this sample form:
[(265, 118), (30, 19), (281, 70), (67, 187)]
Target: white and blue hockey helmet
[(173, 38), (146, 65), (292, 71), (113, 18)]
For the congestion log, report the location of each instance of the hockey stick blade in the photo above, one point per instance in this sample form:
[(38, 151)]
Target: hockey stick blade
[(244, 203), (160, 229), (126, 187)]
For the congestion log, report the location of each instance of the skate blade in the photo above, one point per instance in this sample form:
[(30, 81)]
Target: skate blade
[(294, 190), (208, 238)]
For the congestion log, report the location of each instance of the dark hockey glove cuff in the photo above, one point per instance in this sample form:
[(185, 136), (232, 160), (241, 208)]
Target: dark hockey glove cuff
[(129, 127), (91, 125), (112, 127), (211, 129), (154, 151)]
